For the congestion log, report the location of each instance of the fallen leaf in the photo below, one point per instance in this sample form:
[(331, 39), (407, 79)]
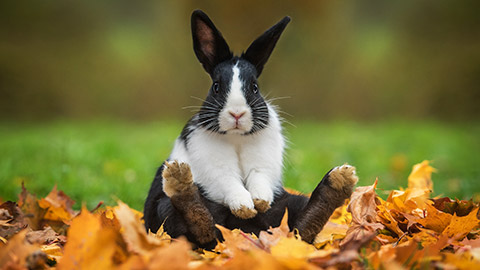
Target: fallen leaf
[(364, 214), (58, 206), (89, 245), (12, 219), (13, 255), (459, 227), (42, 236), (435, 220), (134, 233), (421, 176)]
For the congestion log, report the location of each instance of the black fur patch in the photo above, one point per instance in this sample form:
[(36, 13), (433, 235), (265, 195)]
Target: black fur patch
[(216, 98)]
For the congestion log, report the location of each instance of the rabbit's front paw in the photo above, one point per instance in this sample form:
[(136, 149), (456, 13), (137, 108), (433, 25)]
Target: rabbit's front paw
[(241, 205), (261, 205), (343, 178), (244, 212), (177, 178)]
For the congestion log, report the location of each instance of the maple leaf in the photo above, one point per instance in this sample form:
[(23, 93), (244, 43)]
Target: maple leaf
[(435, 220), (459, 227), (408, 230), (421, 176), (364, 214), (58, 206), (134, 232), (89, 245), (29, 205), (12, 219), (273, 235), (14, 254)]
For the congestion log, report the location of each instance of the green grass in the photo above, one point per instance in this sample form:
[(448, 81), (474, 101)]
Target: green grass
[(105, 161)]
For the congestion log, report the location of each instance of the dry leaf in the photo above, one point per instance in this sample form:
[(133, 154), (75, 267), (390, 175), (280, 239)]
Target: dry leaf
[(89, 245), (459, 227), (421, 176), (408, 230), (58, 206), (364, 214)]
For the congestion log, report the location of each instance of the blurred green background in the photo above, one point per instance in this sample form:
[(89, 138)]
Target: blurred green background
[(91, 92)]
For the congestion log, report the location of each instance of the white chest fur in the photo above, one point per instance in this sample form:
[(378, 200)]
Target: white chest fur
[(234, 169)]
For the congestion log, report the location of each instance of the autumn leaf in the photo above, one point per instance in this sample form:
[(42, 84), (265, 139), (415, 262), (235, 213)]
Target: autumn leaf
[(364, 214), (421, 176), (58, 206), (16, 251), (89, 245), (434, 219), (408, 230), (134, 232), (459, 227)]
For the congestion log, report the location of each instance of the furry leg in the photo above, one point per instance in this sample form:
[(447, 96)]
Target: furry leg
[(336, 186), (185, 197)]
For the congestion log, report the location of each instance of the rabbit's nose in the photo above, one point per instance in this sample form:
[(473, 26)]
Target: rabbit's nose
[(237, 115)]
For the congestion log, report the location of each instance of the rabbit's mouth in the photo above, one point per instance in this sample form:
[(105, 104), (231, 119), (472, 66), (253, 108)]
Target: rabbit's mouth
[(235, 121)]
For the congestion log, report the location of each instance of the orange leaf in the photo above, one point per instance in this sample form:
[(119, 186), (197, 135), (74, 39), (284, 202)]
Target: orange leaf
[(134, 232), (89, 245), (16, 251), (459, 227), (435, 220), (271, 237)]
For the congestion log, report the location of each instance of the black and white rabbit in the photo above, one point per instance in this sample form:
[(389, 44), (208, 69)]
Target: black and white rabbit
[(226, 166)]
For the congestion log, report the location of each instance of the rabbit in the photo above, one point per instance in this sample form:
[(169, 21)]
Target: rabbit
[(226, 166)]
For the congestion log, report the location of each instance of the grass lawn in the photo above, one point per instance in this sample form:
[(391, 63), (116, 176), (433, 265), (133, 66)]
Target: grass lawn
[(105, 161)]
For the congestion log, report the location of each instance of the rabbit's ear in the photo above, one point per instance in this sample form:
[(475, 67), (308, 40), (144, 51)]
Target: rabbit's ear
[(208, 43), (262, 47)]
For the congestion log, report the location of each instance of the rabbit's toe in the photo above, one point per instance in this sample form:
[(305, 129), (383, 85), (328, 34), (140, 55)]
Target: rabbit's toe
[(343, 177), (244, 212), (177, 178), (261, 205)]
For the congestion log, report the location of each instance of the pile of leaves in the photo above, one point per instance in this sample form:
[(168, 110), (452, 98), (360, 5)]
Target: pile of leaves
[(407, 230)]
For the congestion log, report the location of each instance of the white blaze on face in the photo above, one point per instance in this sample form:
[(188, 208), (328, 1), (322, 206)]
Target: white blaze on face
[(236, 116)]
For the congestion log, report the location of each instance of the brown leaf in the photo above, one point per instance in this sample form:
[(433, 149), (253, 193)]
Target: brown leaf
[(272, 235), (364, 215), (42, 236), (12, 219), (33, 212)]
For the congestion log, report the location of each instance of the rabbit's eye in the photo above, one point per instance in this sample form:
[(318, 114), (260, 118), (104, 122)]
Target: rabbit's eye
[(215, 87), (255, 88)]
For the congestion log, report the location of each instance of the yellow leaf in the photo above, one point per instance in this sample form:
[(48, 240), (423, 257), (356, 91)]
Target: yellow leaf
[(459, 227), (58, 206), (330, 232), (292, 252), (421, 176)]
